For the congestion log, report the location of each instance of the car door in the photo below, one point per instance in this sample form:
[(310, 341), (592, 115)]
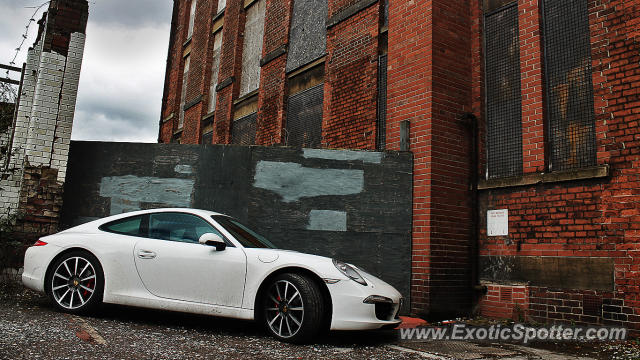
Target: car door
[(173, 265)]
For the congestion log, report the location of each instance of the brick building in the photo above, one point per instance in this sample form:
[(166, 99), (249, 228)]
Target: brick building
[(528, 107)]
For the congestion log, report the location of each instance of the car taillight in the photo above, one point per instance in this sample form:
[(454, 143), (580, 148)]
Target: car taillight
[(40, 243)]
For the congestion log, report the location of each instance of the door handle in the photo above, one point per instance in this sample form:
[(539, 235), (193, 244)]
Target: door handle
[(146, 254)]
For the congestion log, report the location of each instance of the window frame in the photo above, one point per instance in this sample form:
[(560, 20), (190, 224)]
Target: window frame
[(145, 227), (220, 233), (144, 224)]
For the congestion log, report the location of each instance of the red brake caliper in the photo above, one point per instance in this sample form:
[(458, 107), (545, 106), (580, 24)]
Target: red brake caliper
[(90, 286)]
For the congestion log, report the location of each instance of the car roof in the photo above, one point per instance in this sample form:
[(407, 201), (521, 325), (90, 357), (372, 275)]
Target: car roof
[(96, 223)]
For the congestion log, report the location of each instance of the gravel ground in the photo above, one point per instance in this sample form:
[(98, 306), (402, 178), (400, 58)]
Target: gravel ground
[(31, 329)]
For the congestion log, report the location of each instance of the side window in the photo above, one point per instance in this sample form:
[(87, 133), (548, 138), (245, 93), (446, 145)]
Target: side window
[(179, 227), (134, 226)]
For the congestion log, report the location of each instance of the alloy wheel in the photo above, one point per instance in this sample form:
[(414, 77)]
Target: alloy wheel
[(73, 282), (284, 310)]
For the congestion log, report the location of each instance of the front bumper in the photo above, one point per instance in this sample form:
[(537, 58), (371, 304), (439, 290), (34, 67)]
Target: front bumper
[(350, 312)]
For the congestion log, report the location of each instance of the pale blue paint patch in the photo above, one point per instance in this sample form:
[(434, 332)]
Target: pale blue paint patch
[(327, 220), (293, 182), (183, 169), (127, 192), (344, 155)]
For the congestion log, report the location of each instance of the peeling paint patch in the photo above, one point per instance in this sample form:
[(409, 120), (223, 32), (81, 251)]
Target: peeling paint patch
[(127, 192), (183, 169), (293, 182), (327, 220), (344, 155)]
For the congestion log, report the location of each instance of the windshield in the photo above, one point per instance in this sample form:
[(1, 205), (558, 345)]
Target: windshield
[(247, 237)]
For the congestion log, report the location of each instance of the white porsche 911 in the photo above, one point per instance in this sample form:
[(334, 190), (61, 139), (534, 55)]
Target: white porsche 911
[(203, 262)]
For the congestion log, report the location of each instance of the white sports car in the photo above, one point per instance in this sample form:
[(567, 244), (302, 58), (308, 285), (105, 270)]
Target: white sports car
[(204, 262)]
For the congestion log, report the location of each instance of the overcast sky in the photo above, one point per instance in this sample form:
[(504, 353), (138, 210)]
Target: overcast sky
[(122, 78)]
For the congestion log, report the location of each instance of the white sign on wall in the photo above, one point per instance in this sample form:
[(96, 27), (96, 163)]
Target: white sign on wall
[(498, 222)]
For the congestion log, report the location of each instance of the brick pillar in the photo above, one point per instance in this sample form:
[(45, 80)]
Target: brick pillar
[(429, 84), (350, 90), (273, 91), (531, 86), (230, 67)]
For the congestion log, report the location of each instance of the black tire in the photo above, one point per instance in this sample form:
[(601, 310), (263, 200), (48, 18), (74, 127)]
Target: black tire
[(287, 316), (75, 282)]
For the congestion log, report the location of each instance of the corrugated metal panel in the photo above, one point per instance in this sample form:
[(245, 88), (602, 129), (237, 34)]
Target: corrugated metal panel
[(304, 118), (569, 85), (381, 125), (243, 131), (504, 100)]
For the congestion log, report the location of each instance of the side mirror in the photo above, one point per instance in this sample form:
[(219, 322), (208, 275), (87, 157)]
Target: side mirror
[(211, 239)]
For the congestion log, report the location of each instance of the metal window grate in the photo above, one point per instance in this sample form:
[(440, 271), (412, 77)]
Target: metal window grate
[(304, 118), (243, 131), (592, 305), (504, 100), (572, 142), (381, 125)]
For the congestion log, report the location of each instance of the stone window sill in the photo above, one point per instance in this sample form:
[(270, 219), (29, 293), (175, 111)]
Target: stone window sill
[(595, 172)]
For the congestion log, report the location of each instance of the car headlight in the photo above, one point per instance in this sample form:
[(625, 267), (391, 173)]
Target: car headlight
[(349, 272)]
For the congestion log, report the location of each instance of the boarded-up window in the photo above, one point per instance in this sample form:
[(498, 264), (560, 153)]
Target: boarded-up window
[(183, 95), (504, 101), (243, 131), (192, 17), (221, 5), (304, 118), (308, 35), (385, 13), (381, 125), (207, 138), (215, 66), (569, 84), (252, 48)]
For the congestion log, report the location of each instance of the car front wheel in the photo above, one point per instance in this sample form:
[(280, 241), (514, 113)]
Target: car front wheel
[(75, 282), (293, 308)]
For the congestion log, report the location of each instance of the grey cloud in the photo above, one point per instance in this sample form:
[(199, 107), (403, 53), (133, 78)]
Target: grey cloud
[(130, 13), (100, 126)]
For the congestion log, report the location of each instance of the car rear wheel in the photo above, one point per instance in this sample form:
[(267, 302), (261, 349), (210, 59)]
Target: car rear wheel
[(75, 282), (293, 308)]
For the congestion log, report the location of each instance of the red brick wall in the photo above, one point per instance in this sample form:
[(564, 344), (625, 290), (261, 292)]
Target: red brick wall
[(350, 90), (173, 76), (503, 301), (585, 218), (450, 166), (68, 16), (230, 66), (409, 92), (273, 90), (429, 84)]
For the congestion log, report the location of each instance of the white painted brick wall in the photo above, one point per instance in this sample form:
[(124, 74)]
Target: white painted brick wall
[(45, 116)]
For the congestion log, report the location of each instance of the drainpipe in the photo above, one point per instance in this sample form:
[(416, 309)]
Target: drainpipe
[(471, 123)]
